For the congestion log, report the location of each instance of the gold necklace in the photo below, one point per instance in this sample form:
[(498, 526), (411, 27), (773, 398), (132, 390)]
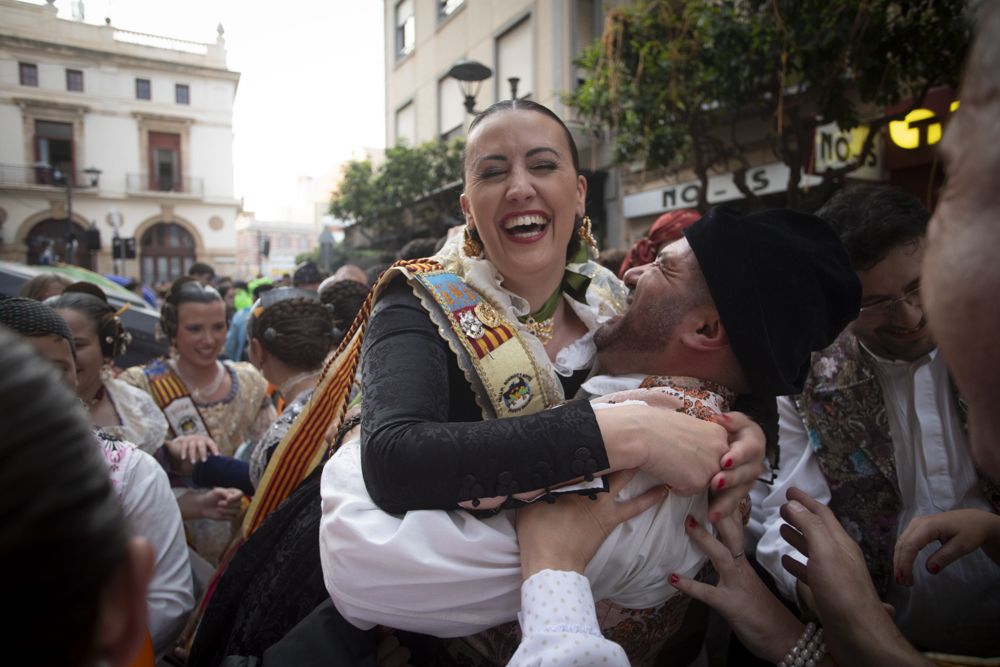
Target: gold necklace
[(543, 330)]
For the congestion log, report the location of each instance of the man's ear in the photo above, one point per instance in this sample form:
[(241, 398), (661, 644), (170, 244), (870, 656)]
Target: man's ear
[(121, 626), (704, 332)]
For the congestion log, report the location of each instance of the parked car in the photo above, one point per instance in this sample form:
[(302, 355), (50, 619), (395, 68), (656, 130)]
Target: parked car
[(140, 320)]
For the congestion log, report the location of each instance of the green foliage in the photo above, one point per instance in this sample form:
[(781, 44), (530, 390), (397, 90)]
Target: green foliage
[(408, 194), (679, 82)]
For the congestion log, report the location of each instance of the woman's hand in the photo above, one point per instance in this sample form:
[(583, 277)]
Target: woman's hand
[(761, 622), (566, 534), (960, 532), (192, 448), (218, 504), (741, 465), (681, 451)]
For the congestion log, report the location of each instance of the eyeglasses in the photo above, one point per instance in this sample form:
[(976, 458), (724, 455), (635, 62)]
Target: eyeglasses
[(910, 296)]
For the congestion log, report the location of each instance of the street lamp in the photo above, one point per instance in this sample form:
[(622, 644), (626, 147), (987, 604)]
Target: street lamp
[(470, 75), (93, 176)]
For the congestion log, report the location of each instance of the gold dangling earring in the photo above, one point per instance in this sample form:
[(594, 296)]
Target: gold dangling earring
[(472, 246), (586, 236)]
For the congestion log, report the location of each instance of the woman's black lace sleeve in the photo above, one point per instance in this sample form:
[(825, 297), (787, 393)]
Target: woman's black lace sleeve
[(424, 444)]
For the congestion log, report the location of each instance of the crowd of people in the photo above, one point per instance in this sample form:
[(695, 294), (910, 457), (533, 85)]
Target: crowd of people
[(500, 451)]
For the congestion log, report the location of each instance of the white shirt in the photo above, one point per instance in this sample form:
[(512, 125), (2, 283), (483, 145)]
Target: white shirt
[(450, 574), (559, 624), (152, 513), (957, 610)]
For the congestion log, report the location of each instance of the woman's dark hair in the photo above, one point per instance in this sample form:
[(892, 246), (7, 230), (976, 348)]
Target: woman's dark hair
[(527, 105), (344, 298), (524, 105), (184, 290), (111, 333), (62, 532), (295, 330), (38, 286)]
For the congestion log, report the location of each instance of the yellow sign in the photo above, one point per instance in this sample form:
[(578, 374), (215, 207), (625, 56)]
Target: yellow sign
[(920, 127)]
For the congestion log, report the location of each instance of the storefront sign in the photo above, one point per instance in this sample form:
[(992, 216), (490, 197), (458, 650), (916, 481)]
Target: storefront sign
[(912, 140), (762, 180), (835, 148)]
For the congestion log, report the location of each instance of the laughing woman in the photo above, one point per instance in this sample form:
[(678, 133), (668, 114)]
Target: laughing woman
[(502, 326)]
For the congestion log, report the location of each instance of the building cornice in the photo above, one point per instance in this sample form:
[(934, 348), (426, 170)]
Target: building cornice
[(121, 59)]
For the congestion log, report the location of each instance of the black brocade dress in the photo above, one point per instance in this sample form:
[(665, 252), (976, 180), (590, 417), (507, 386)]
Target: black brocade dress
[(424, 442)]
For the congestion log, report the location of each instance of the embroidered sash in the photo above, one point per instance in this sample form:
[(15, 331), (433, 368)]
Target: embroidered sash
[(173, 398), (501, 370)]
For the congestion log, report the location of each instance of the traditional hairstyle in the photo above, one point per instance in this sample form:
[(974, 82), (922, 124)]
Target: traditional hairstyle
[(39, 286), (344, 298), (296, 329), (83, 298), (62, 532), (525, 105), (33, 318), (873, 220), (184, 290)]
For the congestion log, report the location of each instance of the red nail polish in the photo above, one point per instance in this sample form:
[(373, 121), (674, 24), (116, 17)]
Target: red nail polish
[(934, 568), (722, 483), (692, 523), (727, 464), (674, 578)]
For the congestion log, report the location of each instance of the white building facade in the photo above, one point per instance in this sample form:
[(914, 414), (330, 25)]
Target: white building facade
[(131, 132)]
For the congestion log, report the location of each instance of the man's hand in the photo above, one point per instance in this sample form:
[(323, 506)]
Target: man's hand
[(960, 532), (741, 465), (192, 448), (858, 629), (566, 534)]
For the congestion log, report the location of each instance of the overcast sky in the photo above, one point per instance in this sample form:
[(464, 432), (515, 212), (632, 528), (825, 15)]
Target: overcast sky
[(312, 92)]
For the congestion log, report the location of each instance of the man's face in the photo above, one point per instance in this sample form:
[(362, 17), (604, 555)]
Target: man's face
[(660, 298), (56, 349), (889, 326), (961, 274)]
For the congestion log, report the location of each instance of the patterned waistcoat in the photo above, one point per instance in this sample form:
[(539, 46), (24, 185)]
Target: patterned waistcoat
[(844, 413)]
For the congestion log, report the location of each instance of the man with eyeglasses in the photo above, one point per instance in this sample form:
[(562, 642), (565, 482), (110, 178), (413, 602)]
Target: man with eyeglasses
[(880, 435)]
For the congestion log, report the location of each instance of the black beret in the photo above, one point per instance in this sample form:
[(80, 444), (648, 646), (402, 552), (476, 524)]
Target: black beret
[(783, 286)]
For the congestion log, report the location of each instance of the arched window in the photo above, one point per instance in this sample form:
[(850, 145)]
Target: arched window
[(167, 252), (47, 244)]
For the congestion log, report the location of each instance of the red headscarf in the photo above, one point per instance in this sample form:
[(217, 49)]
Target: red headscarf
[(668, 227)]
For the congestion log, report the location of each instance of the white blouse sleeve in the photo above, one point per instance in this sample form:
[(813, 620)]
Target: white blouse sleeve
[(559, 624), (152, 513)]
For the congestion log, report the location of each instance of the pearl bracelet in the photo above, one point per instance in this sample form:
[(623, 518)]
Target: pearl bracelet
[(809, 651)]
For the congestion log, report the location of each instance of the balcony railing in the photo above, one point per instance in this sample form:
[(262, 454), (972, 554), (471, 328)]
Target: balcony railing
[(13, 175), (145, 183)]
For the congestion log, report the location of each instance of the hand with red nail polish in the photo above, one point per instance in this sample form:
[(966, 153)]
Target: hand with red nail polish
[(740, 466), (764, 625), (959, 532)]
